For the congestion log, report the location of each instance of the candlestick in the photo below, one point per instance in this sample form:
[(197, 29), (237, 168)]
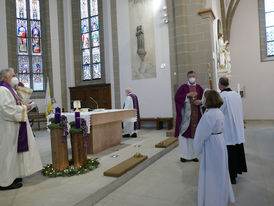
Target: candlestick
[(77, 121), (58, 110), (57, 118)]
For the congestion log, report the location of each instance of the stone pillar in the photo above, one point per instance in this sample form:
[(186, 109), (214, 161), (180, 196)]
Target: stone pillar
[(190, 42)]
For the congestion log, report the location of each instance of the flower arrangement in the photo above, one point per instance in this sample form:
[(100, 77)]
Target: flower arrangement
[(71, 170)]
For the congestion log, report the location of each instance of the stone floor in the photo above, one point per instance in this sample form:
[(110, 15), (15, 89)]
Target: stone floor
[(168, 182), (79, 190)]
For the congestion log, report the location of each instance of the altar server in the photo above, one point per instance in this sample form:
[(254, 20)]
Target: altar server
[(234, 129), (214, 182), (19, 156), (188, 113), (130, 127)]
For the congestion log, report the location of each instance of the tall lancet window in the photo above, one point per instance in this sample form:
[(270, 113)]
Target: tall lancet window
[(269, 26), (90, 40), (29, 44)]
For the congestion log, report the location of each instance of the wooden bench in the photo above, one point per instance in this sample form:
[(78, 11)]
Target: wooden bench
[(37, 118), (160, 121)]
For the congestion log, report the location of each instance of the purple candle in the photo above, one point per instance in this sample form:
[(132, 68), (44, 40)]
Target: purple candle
[(77, 121), (57, 118), (58, 110), (77, 114)]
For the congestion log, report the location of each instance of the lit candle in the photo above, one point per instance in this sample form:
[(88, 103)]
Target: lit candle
[(238, 88), (77, 121), (58, 110), (57, 118)]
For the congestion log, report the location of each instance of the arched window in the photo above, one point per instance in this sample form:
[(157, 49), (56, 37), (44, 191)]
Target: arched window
[(266, 23), (269, 26), (90, 40), (29, 44)]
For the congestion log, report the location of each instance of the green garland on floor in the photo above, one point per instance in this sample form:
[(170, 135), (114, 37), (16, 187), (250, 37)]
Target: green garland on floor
[(92, 164)]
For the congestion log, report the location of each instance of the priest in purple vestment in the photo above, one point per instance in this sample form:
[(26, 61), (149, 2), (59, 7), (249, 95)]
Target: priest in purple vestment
[(129, 126), (19, 156), (188, 100)]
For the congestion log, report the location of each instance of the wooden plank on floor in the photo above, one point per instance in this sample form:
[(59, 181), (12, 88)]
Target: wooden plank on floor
[(167, 142), (124, 166)]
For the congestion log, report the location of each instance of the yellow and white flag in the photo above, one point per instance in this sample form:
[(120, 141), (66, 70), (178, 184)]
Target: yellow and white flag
[(48, 99)]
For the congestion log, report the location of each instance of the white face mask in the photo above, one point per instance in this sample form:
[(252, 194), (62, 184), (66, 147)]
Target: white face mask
[(192, 80), (14, 82)]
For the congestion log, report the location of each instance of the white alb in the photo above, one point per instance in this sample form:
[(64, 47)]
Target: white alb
[(214, 181)]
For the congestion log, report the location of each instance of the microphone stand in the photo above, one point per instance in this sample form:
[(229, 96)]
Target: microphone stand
[(94, 102)]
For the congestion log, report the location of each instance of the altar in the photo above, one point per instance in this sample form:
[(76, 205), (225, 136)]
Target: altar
[(105, 127)]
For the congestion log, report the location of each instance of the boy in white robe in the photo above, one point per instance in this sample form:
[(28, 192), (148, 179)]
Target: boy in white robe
[(215, 188), (16, 159)]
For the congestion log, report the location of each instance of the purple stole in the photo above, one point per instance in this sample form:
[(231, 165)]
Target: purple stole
[(137, 124), (23, 135)]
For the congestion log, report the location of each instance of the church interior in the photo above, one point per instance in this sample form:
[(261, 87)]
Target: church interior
[(83, 59)]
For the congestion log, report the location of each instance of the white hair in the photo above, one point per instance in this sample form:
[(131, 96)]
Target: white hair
[(4, 73), (128, 90)]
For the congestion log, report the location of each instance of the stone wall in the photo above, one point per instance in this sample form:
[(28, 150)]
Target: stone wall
[(190, 42)]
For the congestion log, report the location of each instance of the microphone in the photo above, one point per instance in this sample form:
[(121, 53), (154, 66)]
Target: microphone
[(94, 101)]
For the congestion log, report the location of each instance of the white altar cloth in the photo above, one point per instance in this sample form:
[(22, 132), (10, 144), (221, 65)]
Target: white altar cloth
[(86, 115)]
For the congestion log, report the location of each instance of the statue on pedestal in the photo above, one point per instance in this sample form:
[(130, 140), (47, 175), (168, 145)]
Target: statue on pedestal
[(140, 42), (224, 67)]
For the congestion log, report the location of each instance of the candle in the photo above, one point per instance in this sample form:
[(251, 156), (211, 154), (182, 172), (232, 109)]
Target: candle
[(77, 114), (77, 121), (58, 110), (238, 88), (57, 118)]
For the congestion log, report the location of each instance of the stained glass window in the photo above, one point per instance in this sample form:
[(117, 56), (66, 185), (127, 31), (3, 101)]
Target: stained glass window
[(95, 39), (86, 72), (85, 25), (29, 44), (96, 55), (23, 66), (96, 71), (34, 9), (94, 23), (269, 23), (90, 40), (21, 9), (86, 56), (22, 28), (93, 8), (25, 79), (85, 41)]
